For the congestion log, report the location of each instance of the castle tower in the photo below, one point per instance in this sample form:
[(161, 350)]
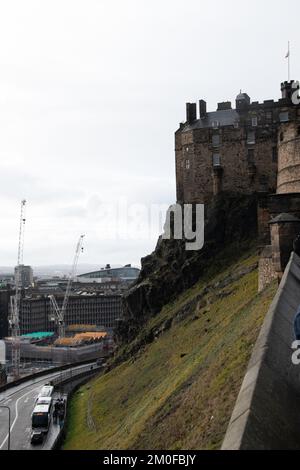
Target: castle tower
[(288, 178)]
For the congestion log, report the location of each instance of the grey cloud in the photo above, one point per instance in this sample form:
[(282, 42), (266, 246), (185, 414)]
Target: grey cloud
[(88, 111)]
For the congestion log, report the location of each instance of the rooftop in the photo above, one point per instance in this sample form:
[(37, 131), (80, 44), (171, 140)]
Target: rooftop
[(38, 335), (227, 117)]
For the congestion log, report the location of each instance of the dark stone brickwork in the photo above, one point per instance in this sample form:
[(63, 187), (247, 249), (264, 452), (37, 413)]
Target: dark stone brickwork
[(239, 150)]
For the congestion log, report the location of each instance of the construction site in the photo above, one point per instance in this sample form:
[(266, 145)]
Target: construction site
[(50, 330), (40, 350)]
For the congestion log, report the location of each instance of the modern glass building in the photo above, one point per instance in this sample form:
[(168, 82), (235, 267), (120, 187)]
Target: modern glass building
[(126, 273)]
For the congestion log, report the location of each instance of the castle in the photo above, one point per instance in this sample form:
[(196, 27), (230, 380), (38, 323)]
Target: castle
[(254, 148)]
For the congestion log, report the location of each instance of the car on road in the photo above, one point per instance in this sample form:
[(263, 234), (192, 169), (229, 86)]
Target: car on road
[(37, 437)]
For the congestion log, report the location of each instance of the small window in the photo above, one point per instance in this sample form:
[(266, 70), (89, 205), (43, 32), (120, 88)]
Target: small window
[(216, 159), (269, 116), (281, 136), (251, 137), (254, 121), (187, 164), (298, 130), (250, 156), (284, 117), (216, 140), (274, 155)]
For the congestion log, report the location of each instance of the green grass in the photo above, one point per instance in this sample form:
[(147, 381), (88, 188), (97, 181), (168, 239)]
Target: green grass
[(178, 392)]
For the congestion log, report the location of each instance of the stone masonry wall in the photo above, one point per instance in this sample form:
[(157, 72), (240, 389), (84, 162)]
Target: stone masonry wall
[(266, 272), (194, 163), (289, 158), (266, 415)]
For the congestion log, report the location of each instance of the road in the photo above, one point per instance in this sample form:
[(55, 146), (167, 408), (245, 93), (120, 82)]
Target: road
[(21, 400)]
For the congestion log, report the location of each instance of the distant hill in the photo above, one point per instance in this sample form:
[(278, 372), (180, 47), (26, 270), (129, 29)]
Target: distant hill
[(57, 269), (6, 270)]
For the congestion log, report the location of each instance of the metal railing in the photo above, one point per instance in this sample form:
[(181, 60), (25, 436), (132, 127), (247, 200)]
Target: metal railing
[(68, 375)]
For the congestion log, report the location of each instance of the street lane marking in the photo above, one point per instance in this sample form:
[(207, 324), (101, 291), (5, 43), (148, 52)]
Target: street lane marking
[(7, 401), (17, 414), (36, 381)]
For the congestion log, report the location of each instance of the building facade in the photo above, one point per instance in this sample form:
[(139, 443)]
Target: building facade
[(240, 150), (125, 274), (101, 310), (5, 295), (25, 274)]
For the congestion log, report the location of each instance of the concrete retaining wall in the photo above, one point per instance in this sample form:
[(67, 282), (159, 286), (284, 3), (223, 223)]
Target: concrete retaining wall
[(69, 389), (267, 411), (24, 379)]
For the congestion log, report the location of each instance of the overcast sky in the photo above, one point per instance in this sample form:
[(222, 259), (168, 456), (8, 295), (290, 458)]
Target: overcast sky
[(91, 92)]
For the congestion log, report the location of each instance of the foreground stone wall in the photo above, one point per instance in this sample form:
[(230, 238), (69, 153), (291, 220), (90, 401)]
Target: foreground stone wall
[(267, 411), (266, 272)]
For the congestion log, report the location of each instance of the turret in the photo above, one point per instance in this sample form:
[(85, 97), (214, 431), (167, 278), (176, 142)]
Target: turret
[(242, 101)]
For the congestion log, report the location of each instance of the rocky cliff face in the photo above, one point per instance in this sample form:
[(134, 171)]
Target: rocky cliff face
[(170, 269)]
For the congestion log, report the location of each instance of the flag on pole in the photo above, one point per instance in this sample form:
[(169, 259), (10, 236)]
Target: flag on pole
[(287, 56), (288, 52)]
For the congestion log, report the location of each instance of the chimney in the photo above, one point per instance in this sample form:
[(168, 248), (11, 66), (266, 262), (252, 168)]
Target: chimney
[(191, 112), (224, 106), (202, 109)]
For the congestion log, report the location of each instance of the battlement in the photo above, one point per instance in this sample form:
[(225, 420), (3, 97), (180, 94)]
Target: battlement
[(236, 150), (243, 105), (288, 88)]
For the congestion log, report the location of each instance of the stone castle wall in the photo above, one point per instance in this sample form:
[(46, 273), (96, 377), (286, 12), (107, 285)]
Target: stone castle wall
[(196, 174), (266, 272), (216, 152), (289, 158)]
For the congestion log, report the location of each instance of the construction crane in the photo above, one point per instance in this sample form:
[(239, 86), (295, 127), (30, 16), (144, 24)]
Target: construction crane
[(15, 300), (59, 313)]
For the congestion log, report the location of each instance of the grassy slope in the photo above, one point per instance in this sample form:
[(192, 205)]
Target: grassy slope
[(179, 392)]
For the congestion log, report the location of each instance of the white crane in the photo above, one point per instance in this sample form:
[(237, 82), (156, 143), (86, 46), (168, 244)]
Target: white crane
[(15, 300), (59, 313)]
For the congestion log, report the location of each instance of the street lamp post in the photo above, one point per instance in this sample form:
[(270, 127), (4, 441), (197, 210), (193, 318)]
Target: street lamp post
[(8, 441)]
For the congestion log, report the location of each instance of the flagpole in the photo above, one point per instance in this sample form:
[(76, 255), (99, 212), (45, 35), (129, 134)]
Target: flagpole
[(289, 64)]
